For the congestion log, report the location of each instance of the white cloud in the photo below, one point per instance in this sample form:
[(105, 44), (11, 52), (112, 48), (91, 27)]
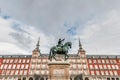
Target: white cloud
[(20, 38), (11, 49), (102, 36)]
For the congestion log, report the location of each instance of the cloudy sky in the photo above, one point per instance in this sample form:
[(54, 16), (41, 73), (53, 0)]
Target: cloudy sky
[(95, 22)]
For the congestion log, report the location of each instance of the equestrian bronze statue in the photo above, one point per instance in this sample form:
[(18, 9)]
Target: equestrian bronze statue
[(61, 49)]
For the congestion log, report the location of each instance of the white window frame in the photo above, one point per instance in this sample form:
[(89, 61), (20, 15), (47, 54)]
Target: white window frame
[(18, 66), (10, 66), (96, 66), (24, 60), (14, 66), (22, 66), (26, 66)]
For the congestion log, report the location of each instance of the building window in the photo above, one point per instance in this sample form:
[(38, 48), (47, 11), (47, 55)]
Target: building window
[(44, 60), (21, 72), (28, 60), (39, 60), (33, 60), (26, 67), (11, 61), (109, 67), (85, 66), (1, 66), (105, 67), (92, 73), (106, 72), (115, 72), (3, 72), (9, 67), (111, 73), (91, 66), (96, 66), (99, 61), (5, 67), (107, 61), (15, 60), (24, 60), (74, 72), (111, 61), (102, 72), (116, 66), (113, 66), (100, 66), (83, 60), (85, 72), (78, 60), (14, 66), (103, 61), (37, 72), (47, 72), (43, 66), (4, 60), (22, 66), (97, 72), (25, 72), (114, 61), (7, 72), (94, 61), (16, 72), (12, 72), (79, 72), (18, 66), (42, 72), (79, 66), (7, 61), (33, 66), (20, 60), (74, 66)]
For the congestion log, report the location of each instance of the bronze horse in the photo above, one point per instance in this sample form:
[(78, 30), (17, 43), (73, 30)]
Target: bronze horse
[(63, 50)]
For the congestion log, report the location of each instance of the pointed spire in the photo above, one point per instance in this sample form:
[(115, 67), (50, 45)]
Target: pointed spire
[(37, 45), (80, 45)]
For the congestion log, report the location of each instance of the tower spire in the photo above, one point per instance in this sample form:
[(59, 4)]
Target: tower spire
[(38, 44), (80, 45)]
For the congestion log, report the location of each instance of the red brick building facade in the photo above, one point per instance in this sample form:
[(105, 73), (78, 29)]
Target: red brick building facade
[(35, 66)]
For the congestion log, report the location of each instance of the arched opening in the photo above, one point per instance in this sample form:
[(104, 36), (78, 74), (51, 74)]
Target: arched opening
[(70, 78), (117, 78), (113, 78), (46, 78), (42, 78), (86, 78), (24, 78), (19, 78), (78, 77), (30, 78), (108, 78)]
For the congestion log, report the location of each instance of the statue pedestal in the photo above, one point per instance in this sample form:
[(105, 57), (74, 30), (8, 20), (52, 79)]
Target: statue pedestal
[(58, 70)]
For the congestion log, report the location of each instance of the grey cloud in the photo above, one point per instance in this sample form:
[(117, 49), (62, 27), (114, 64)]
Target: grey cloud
[(50, 15)]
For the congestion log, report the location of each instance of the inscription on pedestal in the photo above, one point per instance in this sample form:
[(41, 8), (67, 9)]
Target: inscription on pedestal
[(58, 72)]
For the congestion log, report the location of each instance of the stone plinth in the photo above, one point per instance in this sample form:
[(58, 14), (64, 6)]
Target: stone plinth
[(58, 70)]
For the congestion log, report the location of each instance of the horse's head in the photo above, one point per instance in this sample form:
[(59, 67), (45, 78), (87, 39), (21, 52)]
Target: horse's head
[(68, 44)]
